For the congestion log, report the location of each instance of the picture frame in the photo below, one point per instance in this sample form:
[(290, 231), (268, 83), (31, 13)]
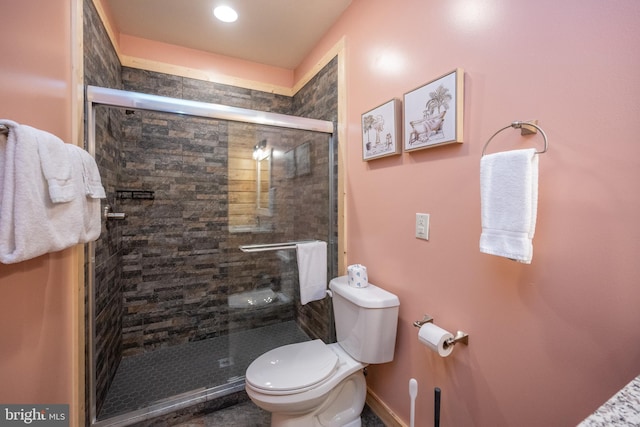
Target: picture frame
[(289, 164), (381, 131), (303, 159), (433, 112)]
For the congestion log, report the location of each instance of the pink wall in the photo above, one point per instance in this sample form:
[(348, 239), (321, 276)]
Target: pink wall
[(36, 314), (217, 66), (550, 341)]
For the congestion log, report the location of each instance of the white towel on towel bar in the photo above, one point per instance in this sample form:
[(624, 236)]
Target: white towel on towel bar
[(54, 162), (30, 223), (509, 203), (312, 270), (90, 174)]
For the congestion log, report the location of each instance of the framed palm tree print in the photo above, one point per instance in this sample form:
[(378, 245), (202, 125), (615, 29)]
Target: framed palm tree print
[(381, 131), (433, 112)]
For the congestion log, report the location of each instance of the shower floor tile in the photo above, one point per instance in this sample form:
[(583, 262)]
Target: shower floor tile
[(148, 378)]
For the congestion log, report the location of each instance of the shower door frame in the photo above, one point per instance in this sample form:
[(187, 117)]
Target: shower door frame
[(99, 96)]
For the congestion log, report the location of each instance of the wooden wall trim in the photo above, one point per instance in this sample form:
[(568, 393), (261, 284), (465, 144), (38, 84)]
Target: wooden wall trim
[(78, 391), (104, 17), (177, 70), (336, 50), (386, 415)]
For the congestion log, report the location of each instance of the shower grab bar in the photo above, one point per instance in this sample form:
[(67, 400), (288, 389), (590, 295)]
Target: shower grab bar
[(273, 246)]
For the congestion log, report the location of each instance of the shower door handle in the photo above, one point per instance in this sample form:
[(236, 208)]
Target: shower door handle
[(107, 214)]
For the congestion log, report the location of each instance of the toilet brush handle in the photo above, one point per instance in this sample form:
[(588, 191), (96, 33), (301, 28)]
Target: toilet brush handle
[(436, 411), (413, 392)]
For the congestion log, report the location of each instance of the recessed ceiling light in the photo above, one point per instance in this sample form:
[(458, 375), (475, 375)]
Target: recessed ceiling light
[(225, 14)]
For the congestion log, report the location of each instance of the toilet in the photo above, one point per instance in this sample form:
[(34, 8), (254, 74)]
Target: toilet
[(317, 384)]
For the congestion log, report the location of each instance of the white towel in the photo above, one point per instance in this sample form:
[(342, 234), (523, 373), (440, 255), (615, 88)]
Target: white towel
[(509, 203), (30, 223), (90, 174), (54, 161), (312, 270)]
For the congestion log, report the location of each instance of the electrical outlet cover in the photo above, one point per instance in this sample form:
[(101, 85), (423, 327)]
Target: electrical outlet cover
[(422, 226)]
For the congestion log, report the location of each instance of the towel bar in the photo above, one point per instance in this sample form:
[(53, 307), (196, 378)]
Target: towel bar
[(524, 126), (272, 246), (4, 130)]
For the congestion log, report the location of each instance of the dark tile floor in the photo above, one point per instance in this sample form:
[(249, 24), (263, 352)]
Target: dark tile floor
[(148, 378), (247, 414)]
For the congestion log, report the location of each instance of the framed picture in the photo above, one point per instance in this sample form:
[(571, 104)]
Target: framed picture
[(433, 112), (381, 131), (290, 164), (303, 159)]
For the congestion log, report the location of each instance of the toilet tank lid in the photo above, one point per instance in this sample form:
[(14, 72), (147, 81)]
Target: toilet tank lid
[(369, 297)]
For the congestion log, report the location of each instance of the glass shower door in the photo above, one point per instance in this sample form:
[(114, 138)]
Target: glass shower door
[(178, 310)]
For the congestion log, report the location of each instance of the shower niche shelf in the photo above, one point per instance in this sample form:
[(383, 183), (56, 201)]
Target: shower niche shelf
[(135, 194)]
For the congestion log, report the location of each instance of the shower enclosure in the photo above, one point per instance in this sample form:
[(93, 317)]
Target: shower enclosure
[(195, 272)]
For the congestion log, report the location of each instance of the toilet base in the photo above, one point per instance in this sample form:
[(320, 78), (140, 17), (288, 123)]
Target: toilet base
[(355, 423), (288, 421), (341, 407)]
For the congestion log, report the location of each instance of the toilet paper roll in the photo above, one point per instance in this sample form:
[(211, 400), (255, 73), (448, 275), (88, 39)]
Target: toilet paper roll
[(435, 338), (357, 274)]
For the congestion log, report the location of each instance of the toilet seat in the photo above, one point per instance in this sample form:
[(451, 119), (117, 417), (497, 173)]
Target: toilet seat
[(292, 368)]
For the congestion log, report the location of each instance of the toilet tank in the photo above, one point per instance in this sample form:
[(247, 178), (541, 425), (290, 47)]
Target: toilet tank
[(366, 320)]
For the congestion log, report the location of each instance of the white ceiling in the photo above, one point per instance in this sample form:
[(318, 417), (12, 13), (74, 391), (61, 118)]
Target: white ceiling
[(273, 32)]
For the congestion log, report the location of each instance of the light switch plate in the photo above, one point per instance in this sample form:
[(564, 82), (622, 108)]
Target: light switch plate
[(422, 226)]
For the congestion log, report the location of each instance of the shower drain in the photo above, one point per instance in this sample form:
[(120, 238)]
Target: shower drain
[(225, 362)]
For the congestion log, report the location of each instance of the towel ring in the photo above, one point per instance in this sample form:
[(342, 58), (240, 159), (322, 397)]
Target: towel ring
[(518, 125)]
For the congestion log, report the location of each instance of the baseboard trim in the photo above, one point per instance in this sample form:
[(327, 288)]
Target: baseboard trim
[(386, 415)]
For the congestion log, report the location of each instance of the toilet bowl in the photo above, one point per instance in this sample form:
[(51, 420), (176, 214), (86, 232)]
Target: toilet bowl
[(313, 384), (308, 384)]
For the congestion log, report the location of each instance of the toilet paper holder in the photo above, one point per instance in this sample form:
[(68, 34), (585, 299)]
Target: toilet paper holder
[(460, 337)]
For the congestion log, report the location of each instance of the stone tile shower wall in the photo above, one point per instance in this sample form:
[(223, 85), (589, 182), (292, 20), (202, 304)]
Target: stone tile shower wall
[(108, 303), (180, 261), (102, 68), (169, 297), (173, 245), (318, 99)]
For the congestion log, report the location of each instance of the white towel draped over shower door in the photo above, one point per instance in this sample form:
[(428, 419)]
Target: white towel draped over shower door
[(509, 203), (33, 221), (312, 270)]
